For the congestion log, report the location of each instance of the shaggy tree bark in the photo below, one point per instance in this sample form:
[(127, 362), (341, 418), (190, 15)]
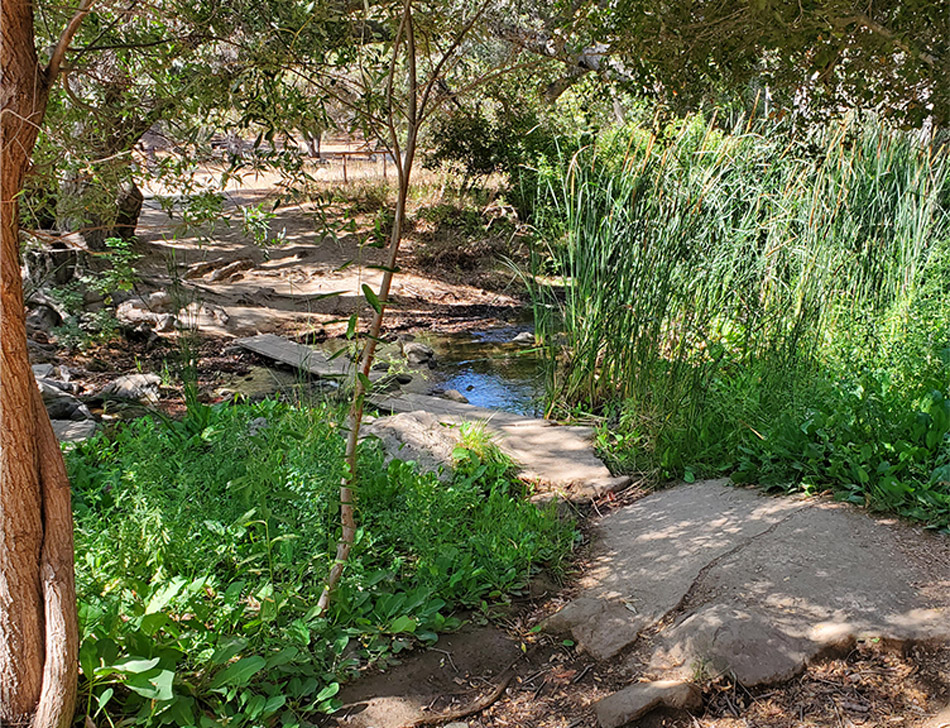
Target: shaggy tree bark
[(38, 630)]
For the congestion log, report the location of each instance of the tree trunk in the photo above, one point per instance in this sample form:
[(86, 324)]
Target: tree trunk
[(38, 631)]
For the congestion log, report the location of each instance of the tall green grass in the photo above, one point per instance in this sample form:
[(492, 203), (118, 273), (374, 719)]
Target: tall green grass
[(712, 280)]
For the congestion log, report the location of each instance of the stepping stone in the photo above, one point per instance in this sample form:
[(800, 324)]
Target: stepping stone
[(297, 356), (638, 699)]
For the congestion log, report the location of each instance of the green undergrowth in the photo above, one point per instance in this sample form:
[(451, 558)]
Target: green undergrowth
[(757, 302), (202, 546)]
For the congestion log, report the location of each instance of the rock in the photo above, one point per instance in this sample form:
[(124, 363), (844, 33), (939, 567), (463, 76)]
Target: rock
[(133, 311), (60, 404), (744, 584), (686, 529), (635, 701), (200, 315), (166, 323), (418, 437), (133, 387), (403, 378), (525, 338), (45, 371), (71, 432), (161, 302), (225, 272), (455, 396), (197, 270), (51, 257), (141, 334), (940, 720), (68, 387), (257, 425), (562, 459), (43, 318), (417, 353), (136, 312)]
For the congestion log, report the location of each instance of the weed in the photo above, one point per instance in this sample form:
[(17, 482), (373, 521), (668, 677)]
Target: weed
[(202, 546)]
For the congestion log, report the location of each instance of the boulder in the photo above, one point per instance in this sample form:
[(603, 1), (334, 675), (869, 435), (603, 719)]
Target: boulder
[(455, 396), (419, 437), (61, 404), (635, 701), (68, 431), (43, 318), (143, 388), (136, 311), (161, 302), (417, 353)]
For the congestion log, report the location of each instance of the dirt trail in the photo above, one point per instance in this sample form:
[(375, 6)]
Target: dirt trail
[(310, 280)]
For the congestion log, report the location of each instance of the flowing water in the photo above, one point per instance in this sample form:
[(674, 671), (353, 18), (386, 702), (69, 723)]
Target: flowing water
[(485, 366), (488, 369)]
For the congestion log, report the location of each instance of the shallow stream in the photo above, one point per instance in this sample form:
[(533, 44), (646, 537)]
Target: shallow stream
[(485, 366)]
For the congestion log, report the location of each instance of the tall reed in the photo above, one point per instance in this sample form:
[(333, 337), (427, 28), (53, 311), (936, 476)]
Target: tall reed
[(700, 254)]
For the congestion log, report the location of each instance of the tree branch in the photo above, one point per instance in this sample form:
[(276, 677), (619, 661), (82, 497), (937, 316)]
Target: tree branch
[(59, 53), (872, 25)]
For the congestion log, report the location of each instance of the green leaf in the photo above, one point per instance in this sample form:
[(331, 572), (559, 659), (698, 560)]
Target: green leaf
[(274, 704), (153, 687), (328, 692), (372, 298), (228, 649), (403, 624), (87, 658), (239, 673), (134, 666), (163, 596), (105, 697)]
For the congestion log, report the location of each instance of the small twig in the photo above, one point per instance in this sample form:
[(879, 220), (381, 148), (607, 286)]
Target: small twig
[(580, 676), (448, 655)]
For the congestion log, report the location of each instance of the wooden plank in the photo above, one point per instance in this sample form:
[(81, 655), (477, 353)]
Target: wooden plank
[(297, 356)]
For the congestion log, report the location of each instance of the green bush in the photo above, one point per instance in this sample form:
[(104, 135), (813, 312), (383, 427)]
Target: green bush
[(202, 546)]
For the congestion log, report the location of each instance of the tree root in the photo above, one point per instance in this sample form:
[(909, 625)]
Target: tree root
[(477, 707)]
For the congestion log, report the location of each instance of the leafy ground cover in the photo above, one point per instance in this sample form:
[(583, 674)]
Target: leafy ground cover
[(756, 302), (202, 545)]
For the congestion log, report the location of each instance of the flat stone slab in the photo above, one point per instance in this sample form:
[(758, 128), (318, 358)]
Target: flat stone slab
[(560, 458), (650, 553), (707, 578), (297, 356)]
